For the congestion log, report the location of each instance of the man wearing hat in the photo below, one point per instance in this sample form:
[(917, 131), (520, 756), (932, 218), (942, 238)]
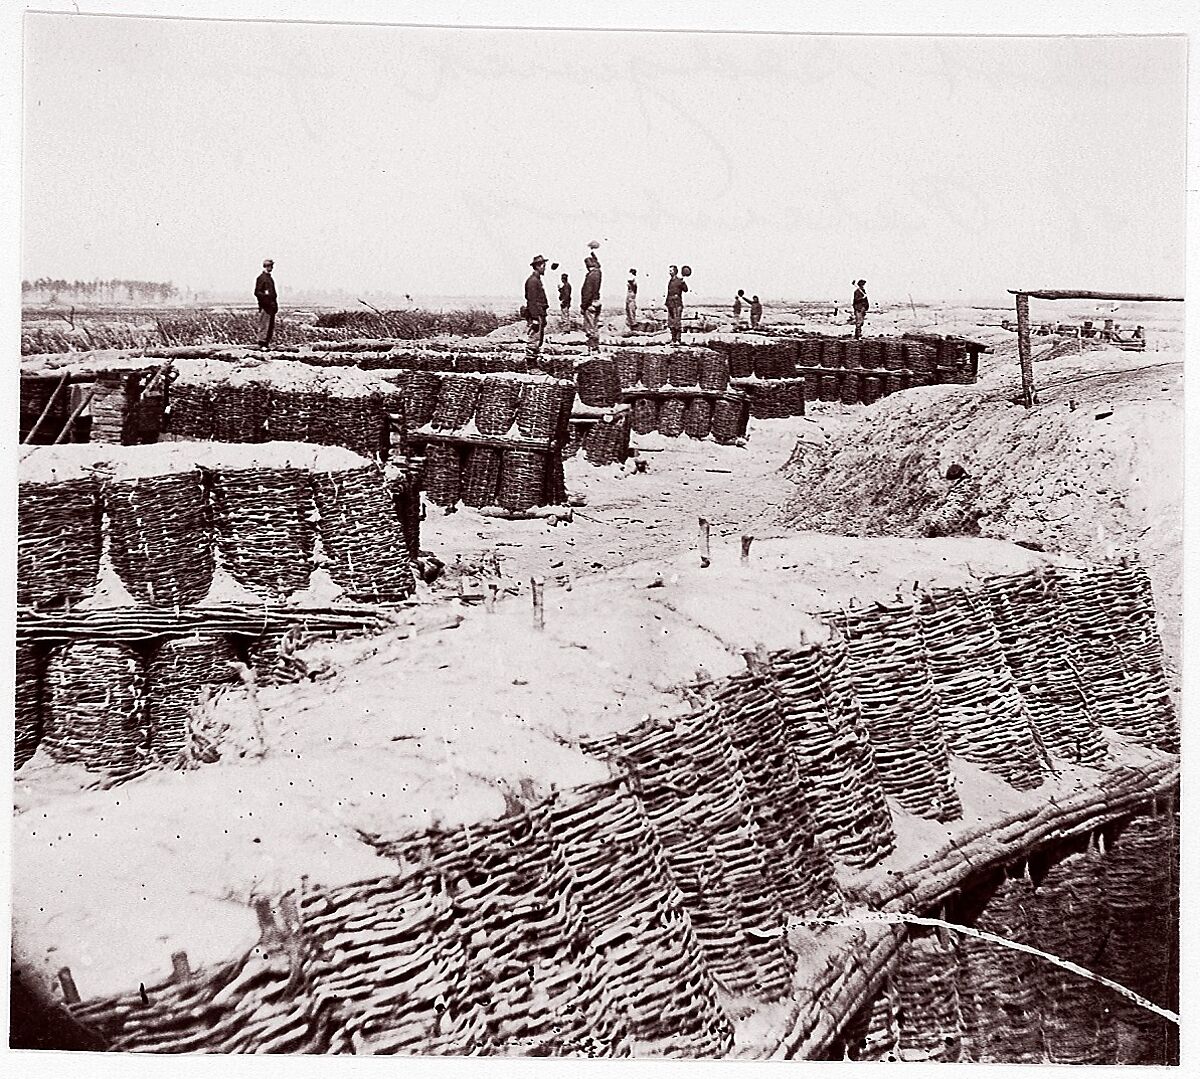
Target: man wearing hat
[(589, 302), (268, 305), (536, 307), (631, 300), (861, 306), (564, 301)]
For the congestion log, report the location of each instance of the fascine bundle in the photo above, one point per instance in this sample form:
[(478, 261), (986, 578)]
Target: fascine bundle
[(94, 710), (1041, 656), (1071, 921), (535, 982), (989, 974), (178, 673), (929, 1017), (798, 866), (59, 541), (684, 772), (1105, 614), (27, 729), (368, 556), (159, 538), (264, 522), (241, 408), (889, 675), (191, 410), (833, 753), (980, 707), (645, 940)]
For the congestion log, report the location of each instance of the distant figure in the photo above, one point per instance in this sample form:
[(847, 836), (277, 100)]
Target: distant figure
[(676, 287), (631, 300), (536, 306), (564, 302), (589, 302), (861, 306), (737, 304), (268, 304), (755, 312)]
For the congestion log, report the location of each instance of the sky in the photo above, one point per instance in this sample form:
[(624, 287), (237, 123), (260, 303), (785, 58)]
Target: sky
[(438, 162)]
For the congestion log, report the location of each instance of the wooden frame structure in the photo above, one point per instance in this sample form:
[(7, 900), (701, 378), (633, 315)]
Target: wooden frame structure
[(1024, 349)]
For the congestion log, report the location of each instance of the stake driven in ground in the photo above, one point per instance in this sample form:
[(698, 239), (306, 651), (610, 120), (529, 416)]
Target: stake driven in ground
[(887, 917), (705, 560)]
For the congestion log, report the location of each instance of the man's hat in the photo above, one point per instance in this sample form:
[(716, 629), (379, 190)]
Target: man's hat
[(268, 262), (862, 281), (538, 258), (593, 244), (685, 271)]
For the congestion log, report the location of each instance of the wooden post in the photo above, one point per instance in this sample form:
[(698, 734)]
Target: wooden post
[(1025, 350), (489, 599), (67, 982), (539, 611), (84, 402), (746, 541), (705, 560)]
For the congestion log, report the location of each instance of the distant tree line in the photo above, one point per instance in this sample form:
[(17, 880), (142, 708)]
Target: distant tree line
[(115, 290)]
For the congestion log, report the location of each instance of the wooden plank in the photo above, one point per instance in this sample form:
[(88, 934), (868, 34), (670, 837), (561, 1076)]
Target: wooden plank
[(427, 434), (1081, 294), (1025, 350)]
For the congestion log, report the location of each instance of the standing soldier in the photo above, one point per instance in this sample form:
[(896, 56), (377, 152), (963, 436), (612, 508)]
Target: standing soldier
[(536, 307), (861, 306), (737, 304), (589, 302), (755, 312), (268, 304), (564, 302), (631, 300), (676, 287)]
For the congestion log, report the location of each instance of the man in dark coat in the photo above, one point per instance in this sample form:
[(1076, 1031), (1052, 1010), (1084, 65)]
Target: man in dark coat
[(589, 302), (631, 300), (861, 306), (536, 306), (676, 287), (268, 305), (564, 301)]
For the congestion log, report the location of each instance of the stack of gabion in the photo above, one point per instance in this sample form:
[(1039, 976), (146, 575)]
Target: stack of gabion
[(27, 731), (178, 674), (191, 411), (361, 535), (709, 843), (241, 410), (981, 710), (474, 413), (798, 867), (264, 526), (59, 542), (95, 707), (773, 399), (1000, 990), (1070, 920), (1106, 610), (1042, 658), (160, 542), (891, 679), (833, 753), (929, 1017)]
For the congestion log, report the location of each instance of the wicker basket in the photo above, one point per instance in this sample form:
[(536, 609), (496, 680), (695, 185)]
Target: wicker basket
[(831, 352), (420, 390), (160, 541), (741, 360), (522, 480), (852, 354), (264, 527), (456, 402), (598, 382), (191, 412), (850, 390), (481, 476), (714, 371), (443, 473), (59, 536), (629, 368), (241, 411), (178, 676), (296, 416), (728, 420), (697, 417), (499, 400), (670, 417), (683, 368), (27, 732), (95, 707), (607, 442), (654, 370), (645, 415)]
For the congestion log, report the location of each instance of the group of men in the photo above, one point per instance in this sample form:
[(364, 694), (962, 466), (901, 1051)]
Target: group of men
[(537, 306)]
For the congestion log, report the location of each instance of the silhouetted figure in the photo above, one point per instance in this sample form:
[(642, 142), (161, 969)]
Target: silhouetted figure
[(268, 304), (737, 304), (536, 306), (631, 300), (676, 287), (755, 312), (589, 302), (564, 301), (861, 306)]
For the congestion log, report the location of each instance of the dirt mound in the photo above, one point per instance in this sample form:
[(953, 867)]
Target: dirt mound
[(1095, 469)]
